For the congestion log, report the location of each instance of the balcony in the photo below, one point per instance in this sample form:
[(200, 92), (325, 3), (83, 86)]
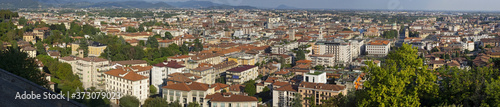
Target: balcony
[(101, 84)]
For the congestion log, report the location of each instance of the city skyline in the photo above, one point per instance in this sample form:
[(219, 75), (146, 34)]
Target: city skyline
[(429, 5)]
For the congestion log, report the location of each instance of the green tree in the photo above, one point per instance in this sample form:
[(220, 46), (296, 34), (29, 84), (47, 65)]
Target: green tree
[(198, 46), (85, 46), (155, 102), (141, 28), (152, 89), (175, 104), (131, 29), (18, 63), (129, 101), (152, 42), (250, 88), (168, 35), (390, 34), (297, 100), (40, 49), (22, 21), (319, 67), (301, 55), (402, 81), (193, 104)]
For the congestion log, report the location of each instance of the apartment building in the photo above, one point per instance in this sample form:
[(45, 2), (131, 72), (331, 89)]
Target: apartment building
[(243, 58), (188, 92), (319, 92), (241, 74), (211, 58), (284, 96), (41, 33), (322, 60), (378, 48), (206, 72), (128, 82), (89, 69), (340, 50), (231, 100), (160, 72), (95, 48), (283, 48)]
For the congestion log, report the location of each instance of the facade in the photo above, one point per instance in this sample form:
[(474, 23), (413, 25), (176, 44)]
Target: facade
[(231, 100), (206, 72), (378, 48), (284, 96), (340, 50), (96, 48), (128, 82), (89, 69), (284, 48), (243, 59), (160, 72), (323, 60), (30, 51), (320, 91), (241, 74), (188, 92)]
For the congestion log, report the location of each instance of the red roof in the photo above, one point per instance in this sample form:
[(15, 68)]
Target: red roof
[(241, 68), (228, 97), (170, 64)]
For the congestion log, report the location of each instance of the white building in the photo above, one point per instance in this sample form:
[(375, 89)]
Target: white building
[(188, 92), (341, 50), (378, 48), (284, 96), (315, 77), (89, 69), (160, 72), (241, 74), (323, 60), (231, 100), (128, 82)]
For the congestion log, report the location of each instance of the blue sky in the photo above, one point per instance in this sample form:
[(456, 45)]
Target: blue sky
[(470, 5)]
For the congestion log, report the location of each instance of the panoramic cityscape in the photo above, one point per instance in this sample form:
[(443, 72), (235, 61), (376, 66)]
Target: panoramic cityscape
[(242, 53)]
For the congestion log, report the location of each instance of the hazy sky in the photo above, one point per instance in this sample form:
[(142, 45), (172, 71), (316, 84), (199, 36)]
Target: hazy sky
[(474, 5)]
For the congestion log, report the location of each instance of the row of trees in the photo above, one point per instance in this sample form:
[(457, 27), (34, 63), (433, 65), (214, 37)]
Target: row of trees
[(405, 81), (391, 34)]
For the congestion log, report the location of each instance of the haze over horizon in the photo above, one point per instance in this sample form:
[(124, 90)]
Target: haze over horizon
[(452, 5)]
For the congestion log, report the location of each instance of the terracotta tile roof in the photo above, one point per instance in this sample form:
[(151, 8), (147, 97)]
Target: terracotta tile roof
[(279, 83), (288, 87), (170, 64), (227, 97), (130, 62), (378, 42), (241, 68), (188, 86), (182, 77), (219, 86), (126, 74), (304, 61), (178, 57), (237, 87)]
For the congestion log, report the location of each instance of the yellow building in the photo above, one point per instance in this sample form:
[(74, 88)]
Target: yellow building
[(242, 59), (95, 48)]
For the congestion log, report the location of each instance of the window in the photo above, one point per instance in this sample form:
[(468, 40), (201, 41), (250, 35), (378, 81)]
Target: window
[(214, 104), (222, 105), (230, 105)]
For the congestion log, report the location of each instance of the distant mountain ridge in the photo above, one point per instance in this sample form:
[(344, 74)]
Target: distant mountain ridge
[(285, 7), (116, 4)]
